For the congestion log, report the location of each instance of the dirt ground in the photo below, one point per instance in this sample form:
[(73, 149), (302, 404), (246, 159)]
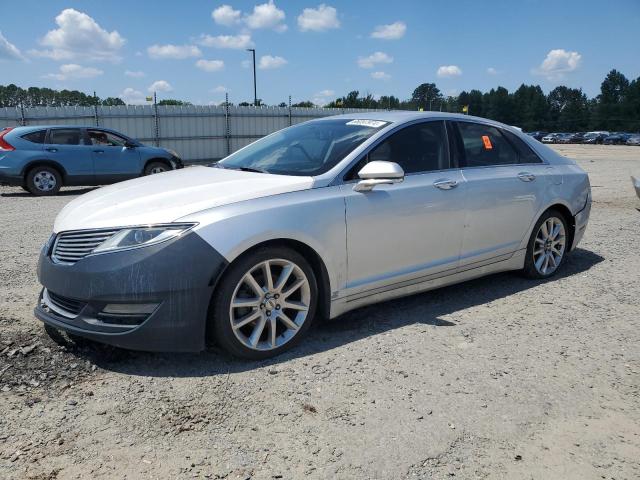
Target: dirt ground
[(500, 377)]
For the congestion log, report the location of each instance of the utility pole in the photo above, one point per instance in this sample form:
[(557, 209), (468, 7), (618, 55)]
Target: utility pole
[(255, 90)]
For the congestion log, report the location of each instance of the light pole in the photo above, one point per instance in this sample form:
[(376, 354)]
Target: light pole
[(255, 91)]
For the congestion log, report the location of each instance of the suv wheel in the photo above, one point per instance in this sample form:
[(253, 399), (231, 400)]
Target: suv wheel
[(155, 167), (43, 181)]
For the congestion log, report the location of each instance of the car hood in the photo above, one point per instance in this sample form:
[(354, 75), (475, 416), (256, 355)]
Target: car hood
[(166, 197)]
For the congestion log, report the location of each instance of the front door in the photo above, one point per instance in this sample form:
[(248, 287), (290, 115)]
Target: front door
[(404, 232), (113, 160)]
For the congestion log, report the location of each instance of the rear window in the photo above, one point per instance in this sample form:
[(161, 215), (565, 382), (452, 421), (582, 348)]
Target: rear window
[(64, 136), (525, 153), (35, 137)]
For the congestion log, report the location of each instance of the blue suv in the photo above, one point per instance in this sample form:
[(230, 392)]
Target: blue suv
[(43, 159)]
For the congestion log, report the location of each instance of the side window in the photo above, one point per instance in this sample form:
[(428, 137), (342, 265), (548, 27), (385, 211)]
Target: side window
[(35, 137), (484, 146), (417, 148), (106, 139), (64, 136), (525, 153)]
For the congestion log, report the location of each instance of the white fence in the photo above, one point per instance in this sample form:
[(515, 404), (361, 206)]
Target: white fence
[(197, 133)]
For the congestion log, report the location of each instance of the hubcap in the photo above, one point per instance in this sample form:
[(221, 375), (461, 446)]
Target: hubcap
[(270, 304), (158, 170), (549, 246), (44, 181)]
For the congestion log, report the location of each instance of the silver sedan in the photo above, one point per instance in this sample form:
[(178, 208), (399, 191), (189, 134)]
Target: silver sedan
[(311, 221)]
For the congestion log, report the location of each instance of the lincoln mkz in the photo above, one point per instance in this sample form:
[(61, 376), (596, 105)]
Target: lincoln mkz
[(309, 222)]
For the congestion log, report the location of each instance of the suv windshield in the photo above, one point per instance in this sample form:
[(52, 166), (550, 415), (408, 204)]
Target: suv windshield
[(310, 148)]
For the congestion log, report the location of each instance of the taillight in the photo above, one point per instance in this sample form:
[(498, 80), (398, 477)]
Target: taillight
[(3, 143)]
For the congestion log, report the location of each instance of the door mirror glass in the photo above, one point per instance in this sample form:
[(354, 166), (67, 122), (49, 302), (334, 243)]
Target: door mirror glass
[(378, 173)]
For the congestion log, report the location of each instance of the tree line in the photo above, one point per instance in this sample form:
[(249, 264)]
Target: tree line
[(616, 108)]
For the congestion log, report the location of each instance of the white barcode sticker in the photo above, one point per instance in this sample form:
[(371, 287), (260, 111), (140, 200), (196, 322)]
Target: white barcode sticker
[(367, 123)]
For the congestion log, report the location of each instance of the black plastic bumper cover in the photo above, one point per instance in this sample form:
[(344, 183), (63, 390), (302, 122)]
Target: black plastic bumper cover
[(179, 275)]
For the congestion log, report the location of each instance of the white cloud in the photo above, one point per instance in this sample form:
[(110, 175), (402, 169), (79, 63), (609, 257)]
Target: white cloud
[(447, 71), (176, 52), (380, 76), (160, 86), (210, 65), (268, 62), (8, 51), (325, 93), (374, 59), (219, 89), (72, 71), (226, 41), (226, 15), (266, 15), (131, 96), (557, 63), (492, 71), (392, 31), (134, 74), (79, 36), (318, 19)]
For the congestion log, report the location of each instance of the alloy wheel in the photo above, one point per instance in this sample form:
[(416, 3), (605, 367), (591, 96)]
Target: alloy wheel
[(157, 169), (549, 246), (270, 304)]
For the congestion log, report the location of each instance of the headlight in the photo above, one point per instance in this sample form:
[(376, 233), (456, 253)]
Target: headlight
[(142, 236)]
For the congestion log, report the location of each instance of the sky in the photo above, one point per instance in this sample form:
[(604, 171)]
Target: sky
[(195, 50)]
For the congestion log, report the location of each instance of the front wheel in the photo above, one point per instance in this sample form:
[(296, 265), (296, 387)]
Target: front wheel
[(547, 246), (43, 181), (264, 304), (155, 167)]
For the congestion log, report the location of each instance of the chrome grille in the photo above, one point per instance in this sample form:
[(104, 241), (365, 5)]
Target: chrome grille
[(70, 247)]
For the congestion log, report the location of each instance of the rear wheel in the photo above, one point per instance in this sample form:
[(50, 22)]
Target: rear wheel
[(264, 304), (156, 167), (547, 246), (43, 181)]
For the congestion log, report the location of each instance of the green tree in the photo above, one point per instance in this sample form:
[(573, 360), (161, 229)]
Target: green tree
[(610, 110), (426, 95)]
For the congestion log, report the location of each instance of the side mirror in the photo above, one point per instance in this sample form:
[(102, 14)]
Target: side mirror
[(130, 145), (378, 173)]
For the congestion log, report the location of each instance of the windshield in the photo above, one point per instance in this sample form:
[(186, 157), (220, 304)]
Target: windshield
[(307, 149)]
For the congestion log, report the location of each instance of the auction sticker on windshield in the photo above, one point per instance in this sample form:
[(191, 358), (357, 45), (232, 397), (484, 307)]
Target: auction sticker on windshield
[(367, 123)]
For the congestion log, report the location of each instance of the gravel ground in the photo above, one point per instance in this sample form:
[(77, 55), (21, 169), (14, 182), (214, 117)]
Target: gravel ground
[(495, 378)]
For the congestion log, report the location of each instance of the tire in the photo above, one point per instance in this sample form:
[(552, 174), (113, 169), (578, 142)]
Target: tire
[(155, 167), (43, 181), (252, 337), (541, 245)]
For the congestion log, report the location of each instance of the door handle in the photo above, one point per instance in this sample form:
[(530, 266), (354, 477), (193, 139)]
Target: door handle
[(445, 184), (526, 176), (98, 151), (51, 149)]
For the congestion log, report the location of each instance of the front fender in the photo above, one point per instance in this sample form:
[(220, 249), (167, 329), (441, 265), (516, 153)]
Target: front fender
[(314, 217)]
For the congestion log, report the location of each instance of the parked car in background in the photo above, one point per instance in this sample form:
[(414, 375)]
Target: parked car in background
[(537, 135), (565, 138), (550, 138), (577, 137), (617, 138), (42, 159), (594, 137), (311, 221), (633, 140)]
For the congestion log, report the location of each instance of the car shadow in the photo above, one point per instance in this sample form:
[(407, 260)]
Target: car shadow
[(62, 193), (428, 309)]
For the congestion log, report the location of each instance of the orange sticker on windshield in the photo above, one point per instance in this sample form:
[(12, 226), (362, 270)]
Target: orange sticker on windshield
[(487, 142)]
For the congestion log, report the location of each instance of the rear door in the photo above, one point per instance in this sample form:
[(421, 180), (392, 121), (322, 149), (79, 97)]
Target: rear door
[(66, 147), (404, 232), (506, 182), (113, 160)]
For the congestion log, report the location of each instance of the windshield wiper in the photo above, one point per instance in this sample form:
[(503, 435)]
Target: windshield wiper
[(251, 169)]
